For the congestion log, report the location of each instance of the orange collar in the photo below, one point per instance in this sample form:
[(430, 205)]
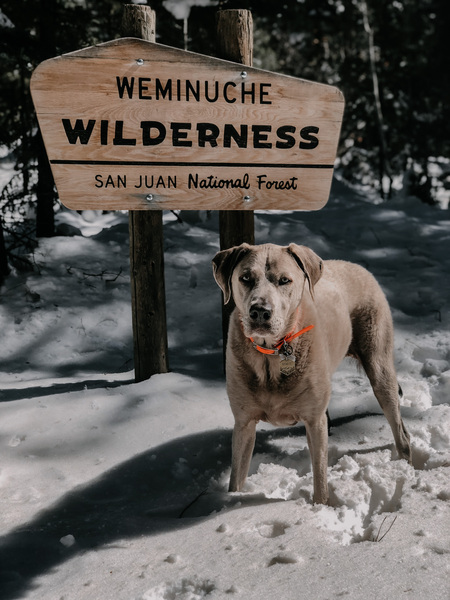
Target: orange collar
[(275, 350)]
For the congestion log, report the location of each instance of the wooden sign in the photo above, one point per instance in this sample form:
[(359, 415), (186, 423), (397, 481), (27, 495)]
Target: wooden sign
[(134, 125)]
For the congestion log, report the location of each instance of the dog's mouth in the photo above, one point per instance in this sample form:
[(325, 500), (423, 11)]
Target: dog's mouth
[(258, 330), (267, 326), (261, 331)]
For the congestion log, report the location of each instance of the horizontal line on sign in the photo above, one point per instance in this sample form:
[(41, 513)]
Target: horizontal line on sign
[(144, 163)]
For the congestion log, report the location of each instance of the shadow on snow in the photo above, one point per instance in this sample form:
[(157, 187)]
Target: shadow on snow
[(151, 493)]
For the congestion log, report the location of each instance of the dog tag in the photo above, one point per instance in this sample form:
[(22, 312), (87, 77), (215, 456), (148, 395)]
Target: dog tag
[(287, 363)]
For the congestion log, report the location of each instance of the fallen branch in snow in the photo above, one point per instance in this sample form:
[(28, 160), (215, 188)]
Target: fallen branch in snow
[(186, 508), (377, 538), (21, 263), (101, 274)]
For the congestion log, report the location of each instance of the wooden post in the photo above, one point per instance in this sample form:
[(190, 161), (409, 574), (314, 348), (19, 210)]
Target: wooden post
[(146, 250), (235, 43)]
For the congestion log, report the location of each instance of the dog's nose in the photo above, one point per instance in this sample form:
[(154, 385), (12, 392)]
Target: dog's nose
[(260, 314)]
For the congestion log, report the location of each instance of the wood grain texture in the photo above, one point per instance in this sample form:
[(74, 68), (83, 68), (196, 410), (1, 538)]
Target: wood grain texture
[(148, 294), (148, 299), (82, 87), (235, 42), (235, 36)]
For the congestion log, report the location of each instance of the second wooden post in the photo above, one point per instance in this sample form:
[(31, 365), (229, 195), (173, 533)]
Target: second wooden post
[(235, 43)]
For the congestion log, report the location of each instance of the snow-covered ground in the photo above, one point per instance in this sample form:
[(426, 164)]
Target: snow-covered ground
[(116, 490)]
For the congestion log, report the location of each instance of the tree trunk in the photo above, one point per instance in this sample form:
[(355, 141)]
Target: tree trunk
[(4, 269), (45, 216), (385, 168)]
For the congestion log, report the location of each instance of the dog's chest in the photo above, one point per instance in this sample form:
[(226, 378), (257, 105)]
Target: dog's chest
[(280, 373), (274, 396), (281, 410)]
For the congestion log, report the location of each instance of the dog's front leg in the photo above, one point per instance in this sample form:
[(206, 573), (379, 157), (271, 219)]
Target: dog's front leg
[(317, 436), (242, 450)]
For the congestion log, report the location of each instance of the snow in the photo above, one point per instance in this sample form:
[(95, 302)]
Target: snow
[(182, 10), (115, 489)]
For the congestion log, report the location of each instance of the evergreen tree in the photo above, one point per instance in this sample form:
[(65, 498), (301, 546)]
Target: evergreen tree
[(389, 57)]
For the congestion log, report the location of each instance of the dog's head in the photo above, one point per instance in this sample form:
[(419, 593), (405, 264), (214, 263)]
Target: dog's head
[(267, 284)]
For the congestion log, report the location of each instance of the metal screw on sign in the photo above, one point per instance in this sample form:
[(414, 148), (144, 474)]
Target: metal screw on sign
[(149, 197), (140, 61), (247, 199), (244, 74)]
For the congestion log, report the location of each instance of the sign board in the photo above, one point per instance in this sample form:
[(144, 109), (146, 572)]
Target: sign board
[(134, 125)]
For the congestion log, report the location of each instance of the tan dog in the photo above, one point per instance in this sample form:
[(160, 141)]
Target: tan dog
[(296, 318)]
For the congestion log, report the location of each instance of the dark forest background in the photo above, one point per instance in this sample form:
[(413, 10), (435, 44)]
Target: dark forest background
[(389, 57)]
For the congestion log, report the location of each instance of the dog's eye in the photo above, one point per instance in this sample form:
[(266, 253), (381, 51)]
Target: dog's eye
[(284, 281), (245, 278)]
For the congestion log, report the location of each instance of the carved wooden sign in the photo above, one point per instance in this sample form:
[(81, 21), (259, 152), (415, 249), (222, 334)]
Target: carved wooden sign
[(133, 125)]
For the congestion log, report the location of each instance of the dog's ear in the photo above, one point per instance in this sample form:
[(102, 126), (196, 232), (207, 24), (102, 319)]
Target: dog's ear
[(224, 264), (309, 262)]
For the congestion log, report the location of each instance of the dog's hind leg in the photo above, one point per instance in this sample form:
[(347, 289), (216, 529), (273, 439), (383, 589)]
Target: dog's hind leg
[(242, 449), (373, 345), (380, 370), (385, 387)]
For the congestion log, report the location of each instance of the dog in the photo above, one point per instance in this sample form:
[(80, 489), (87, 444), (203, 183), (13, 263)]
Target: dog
[(295, 318)]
